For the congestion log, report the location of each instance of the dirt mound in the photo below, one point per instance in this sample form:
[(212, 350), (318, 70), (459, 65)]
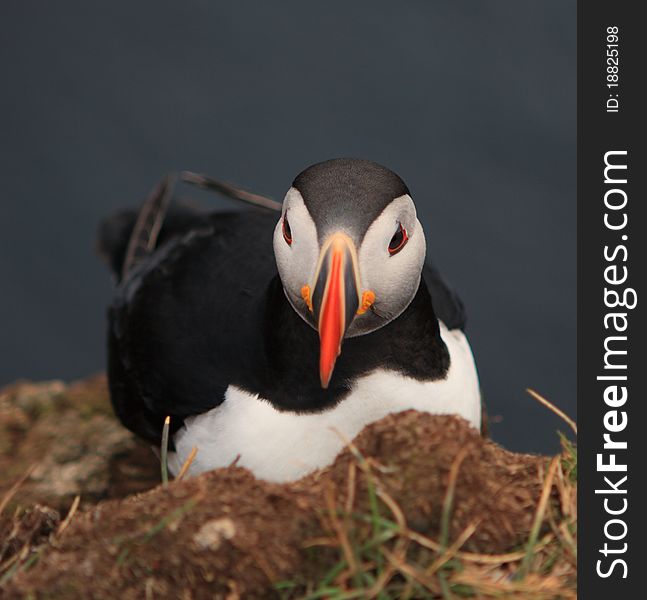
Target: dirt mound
[(412, 491)]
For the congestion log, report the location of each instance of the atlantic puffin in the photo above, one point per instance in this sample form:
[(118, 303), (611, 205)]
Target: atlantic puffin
[(272, 342)]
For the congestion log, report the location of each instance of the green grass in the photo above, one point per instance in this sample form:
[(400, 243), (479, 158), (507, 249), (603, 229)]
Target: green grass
[(378, 556)]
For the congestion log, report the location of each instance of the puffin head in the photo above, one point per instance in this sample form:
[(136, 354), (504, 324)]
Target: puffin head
[(349, 250)]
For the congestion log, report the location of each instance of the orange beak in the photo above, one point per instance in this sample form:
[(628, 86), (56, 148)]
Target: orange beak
[(335, 299)]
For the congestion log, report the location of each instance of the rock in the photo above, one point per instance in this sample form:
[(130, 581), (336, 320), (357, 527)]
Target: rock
[(213, 532), (69, 440)]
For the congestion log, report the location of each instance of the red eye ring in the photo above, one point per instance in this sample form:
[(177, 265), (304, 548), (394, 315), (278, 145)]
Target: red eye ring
[(287, 232), (398, 241)]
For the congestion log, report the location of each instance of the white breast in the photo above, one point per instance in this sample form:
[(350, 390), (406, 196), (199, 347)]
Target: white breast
[(283, 446)]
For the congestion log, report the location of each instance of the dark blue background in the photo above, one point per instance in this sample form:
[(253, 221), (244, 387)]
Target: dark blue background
[(473, 104)]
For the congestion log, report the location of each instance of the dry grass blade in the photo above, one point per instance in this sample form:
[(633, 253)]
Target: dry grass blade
[(411, 571), (400, 548), (320, 541), (533, 587), (381, 582), (9, 568), (359, 457), (340, 531), (446, 515), (64, 524), (499, 559), (539, 517), (568, 507), (229, 190), (364, 463), (550, 406), (452, 550), (475, 557), (11, 492), (394, 508), (5, 566), (352, 477), (164, 450), (449, 496), (150, 582), (187, 463)]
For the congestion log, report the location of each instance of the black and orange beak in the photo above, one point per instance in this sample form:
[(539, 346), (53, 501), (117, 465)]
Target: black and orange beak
[(335, 299)]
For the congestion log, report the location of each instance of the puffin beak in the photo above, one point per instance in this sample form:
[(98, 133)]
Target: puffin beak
[(335, 299)]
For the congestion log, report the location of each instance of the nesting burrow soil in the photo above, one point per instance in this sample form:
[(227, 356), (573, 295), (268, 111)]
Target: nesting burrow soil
[(416, 506)]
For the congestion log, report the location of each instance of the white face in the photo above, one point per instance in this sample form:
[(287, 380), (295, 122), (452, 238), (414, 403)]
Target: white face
[(394, 277)]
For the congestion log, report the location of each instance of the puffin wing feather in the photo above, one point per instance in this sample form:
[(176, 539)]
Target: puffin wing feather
[(447, 304), (185, 322)]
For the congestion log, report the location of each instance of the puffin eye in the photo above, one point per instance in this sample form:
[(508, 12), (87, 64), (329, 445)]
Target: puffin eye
[(287, 232), (398, 240)]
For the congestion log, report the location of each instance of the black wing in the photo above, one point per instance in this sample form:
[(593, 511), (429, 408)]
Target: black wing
[(183, 324), (447, 305)]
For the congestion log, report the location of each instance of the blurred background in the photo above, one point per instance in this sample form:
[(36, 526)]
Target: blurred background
[(473, 104)]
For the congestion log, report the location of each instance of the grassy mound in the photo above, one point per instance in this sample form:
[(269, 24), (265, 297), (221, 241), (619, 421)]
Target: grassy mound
[(416, 507)]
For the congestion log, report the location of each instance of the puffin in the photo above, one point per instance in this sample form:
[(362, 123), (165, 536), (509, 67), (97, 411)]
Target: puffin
[(270, 343)]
